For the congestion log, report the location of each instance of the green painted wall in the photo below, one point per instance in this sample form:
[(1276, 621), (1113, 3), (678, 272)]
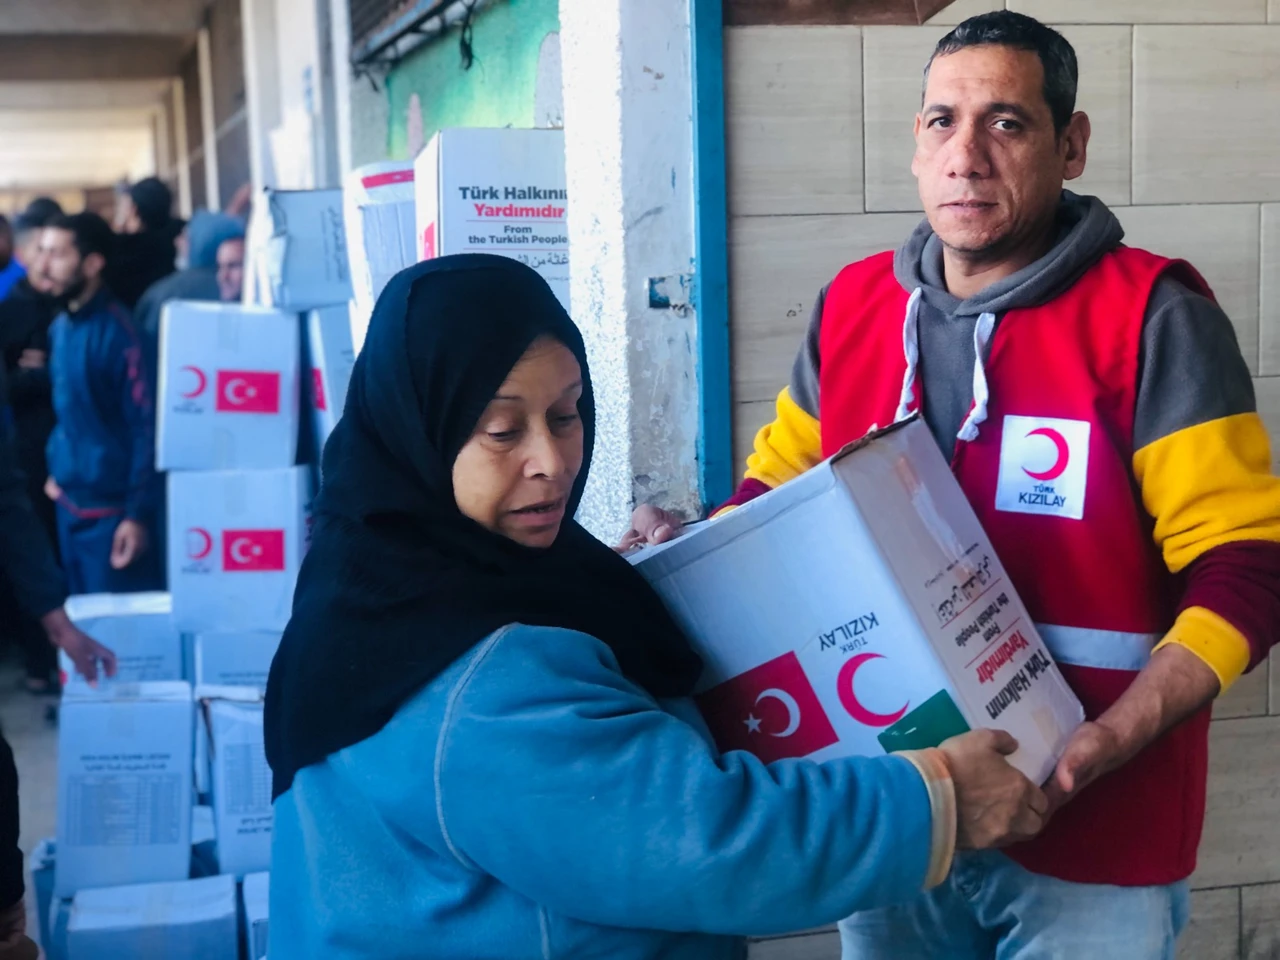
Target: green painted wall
[(497, 91)]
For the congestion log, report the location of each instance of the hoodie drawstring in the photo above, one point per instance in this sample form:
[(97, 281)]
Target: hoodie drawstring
[(982, 331), (911, 348)]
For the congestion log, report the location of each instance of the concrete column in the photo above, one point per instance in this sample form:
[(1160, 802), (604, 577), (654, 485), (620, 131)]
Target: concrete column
[(629, 159), (262, 86), (184, 148), (340, 51), (208, 123)]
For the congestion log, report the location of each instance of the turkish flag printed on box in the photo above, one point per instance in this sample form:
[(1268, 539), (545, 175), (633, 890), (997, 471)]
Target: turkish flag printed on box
[(770, 711), (248, 391), (252, 551)]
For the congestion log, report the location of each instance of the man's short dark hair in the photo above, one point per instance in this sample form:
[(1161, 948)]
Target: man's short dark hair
[(91, 233), (1004, 28), (153, 201)]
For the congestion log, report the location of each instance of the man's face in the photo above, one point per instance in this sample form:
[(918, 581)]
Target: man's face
[(988, 161), (230, 270), (62, 267)]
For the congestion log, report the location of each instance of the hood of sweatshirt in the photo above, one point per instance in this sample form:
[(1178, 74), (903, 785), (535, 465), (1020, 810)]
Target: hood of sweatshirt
[(1086, 230)]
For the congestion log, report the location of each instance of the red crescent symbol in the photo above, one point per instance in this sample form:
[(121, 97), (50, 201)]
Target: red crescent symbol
[(205, 540), (201, 382), (1059, 465), (849, 699)]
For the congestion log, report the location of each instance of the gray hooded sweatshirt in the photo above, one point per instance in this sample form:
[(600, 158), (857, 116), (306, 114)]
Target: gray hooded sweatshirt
[(1184, 335)]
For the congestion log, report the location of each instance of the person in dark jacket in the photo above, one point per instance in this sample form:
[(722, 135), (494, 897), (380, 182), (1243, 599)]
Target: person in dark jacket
[(146, 250), (27, 560), (205, 233), (101, 456), (25, 315)]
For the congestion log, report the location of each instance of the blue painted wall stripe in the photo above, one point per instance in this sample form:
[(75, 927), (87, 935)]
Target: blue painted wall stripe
[(711, 271)]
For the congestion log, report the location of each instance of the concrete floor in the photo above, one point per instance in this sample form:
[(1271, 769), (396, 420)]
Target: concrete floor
[(35, 749)]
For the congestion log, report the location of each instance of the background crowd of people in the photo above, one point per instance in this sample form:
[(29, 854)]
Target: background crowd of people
[(80, 307)]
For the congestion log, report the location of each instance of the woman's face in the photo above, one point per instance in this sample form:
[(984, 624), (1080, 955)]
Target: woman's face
[(515, 474)]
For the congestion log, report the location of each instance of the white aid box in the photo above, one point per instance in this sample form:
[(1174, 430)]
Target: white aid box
[(297, 250), (380, 226), (124, 786), (229, 387), (498, 191), (332, 355), (186, 920), (236, 541), (242, 812), (235, 659), (858, 610), (256, 895), (137, 627)]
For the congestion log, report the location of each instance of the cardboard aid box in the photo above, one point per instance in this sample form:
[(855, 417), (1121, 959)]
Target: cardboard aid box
[(124, 786), (242, 811), (256, 895), (332, 355), (137, 627), (380, 226), (228, 393), (296, 250), (187, 920), (858, 610), (496, 191), (236, 541), (235, 659)]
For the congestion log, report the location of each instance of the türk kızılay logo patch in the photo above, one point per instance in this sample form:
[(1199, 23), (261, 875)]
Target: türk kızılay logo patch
[(1044, 466)]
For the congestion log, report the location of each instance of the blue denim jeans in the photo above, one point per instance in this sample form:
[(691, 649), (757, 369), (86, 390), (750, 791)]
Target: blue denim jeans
[(992, 908)]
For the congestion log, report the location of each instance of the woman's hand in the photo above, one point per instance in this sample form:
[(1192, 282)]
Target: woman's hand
[(995, 804), (650, 525)]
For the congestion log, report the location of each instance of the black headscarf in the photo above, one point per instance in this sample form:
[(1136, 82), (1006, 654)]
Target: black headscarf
[(398, 583)]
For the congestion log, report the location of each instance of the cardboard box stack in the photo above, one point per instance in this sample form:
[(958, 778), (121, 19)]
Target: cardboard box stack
[(496, 191), (858, 610)]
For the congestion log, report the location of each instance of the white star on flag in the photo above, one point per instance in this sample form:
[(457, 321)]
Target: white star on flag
[(753, 725)]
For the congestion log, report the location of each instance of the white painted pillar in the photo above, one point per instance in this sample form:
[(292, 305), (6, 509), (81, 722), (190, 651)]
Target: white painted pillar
[(340, 51), (629, 158), (208, 122), (184, 148), (262, 86)]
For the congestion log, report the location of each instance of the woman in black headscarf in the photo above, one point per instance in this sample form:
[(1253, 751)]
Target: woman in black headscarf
[(478, 721)]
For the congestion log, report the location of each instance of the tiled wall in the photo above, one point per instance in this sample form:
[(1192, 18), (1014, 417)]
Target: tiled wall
[(1184, 96)]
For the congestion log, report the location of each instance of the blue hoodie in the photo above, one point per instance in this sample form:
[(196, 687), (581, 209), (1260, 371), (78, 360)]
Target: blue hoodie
[(531, 803), (102, 451)]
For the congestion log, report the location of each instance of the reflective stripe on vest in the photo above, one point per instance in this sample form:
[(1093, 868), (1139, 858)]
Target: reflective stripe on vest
[(1105, 649)]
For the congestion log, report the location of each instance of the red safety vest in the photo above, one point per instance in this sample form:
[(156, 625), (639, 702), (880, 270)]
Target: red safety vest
[(1049, 471)]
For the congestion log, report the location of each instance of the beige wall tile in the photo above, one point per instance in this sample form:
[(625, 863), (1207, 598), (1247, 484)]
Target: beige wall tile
[(1214, 930), (794, 119), (1241, 844), (1142, 11), (1269, 328), (777, 267), (894, 59), (1248, 697), (817, 946), (1273, 11), (1219, 240), (893, 71), (962, 10), (1200, 94), (1260, 922), (1105, 93), (1267, 390)]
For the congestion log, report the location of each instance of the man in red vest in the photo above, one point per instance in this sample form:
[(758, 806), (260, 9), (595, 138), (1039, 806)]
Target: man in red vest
[(1096, 410)]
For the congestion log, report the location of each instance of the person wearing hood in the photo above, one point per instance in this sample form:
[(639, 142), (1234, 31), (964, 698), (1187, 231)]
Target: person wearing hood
[(204, 235), (478, 720), (1097, 412), (146, 245)]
